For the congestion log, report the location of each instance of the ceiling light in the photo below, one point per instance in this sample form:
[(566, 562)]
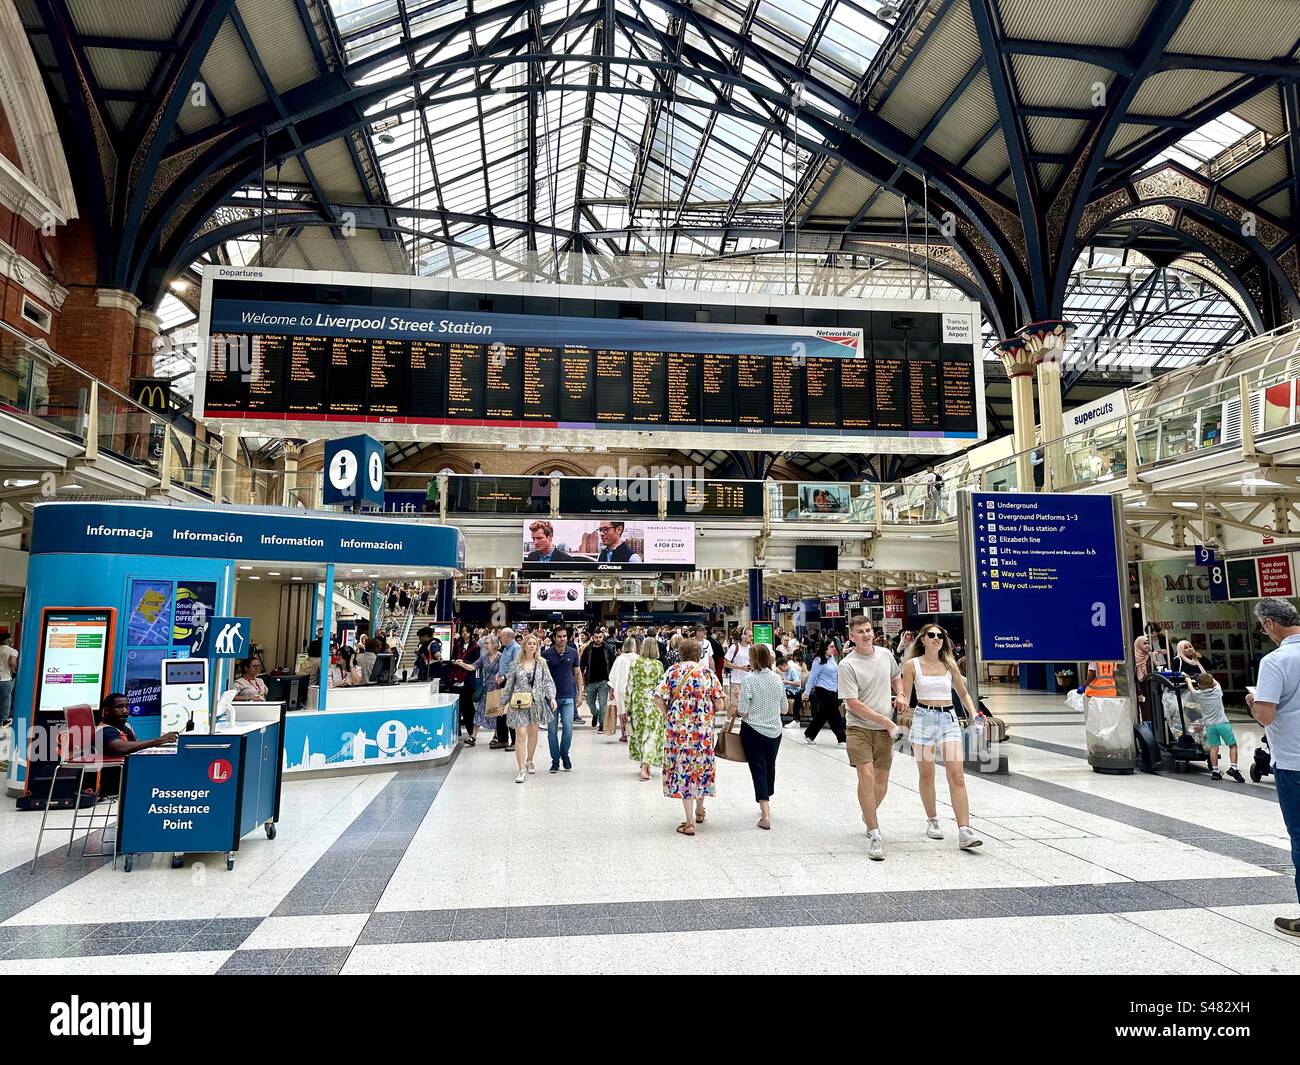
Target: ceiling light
[(180, 285), (254, 578), (73, 487), (22, 482), (295, 578), (1187, 506), (245, 567), (273, 574)]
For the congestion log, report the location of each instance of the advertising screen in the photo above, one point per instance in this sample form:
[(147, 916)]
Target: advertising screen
[(608, 544), (557, 595)]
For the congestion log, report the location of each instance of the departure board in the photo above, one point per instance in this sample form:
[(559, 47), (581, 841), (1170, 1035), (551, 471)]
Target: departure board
[(285, 348), (503, 394), (387, 393), (753, 391), (307, 367), (541, 388), (466, 380), (427, 378), (612, 386), (788, 392), (266, 383), (923, 386), (718, 389), (822, 377), (577, 388), (890, 384), (857, 399), (957, 378), (649, 384), (684, 399)]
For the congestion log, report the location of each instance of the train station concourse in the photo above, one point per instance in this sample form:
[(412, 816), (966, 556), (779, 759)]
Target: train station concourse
[(647, 487)]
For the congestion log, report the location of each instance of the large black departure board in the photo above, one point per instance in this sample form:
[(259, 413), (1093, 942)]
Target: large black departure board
[(903, 372)]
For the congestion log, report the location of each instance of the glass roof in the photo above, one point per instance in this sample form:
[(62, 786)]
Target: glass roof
[(1205, 142), (608, 159)]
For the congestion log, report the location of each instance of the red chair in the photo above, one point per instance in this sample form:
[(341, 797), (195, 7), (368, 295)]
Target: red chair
[(77, 752)]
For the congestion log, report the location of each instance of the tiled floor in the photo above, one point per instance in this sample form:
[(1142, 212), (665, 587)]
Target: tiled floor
[(458, 869)]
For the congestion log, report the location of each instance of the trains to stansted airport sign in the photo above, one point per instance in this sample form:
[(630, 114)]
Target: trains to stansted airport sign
[(348, 350)]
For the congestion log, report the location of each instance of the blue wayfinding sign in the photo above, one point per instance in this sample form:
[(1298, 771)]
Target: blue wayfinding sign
[(224, 638), (354, 471), (1047, 578), (1204, 555)]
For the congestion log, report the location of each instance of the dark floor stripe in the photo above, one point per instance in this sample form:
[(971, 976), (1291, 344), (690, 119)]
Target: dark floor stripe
[(124, 937), (1195, 775), (353, 874), (1209, 839), (1044, 745), (797, 911), (55, 870)]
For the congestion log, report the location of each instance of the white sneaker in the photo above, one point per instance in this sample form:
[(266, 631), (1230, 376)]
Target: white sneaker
[(809, 740), (792, 724), (932, 828), (531, 770), (875, 849), (520, 778), (968, 838), (844, 746)]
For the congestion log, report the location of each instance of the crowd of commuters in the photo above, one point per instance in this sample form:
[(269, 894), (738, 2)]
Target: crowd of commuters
[(660, 690)]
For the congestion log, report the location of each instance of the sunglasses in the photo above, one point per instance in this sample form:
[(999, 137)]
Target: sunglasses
[(934, 636)]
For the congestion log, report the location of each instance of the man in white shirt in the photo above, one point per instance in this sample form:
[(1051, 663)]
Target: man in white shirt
[(1276, 706), (8, 670), (866, 676), (706, 649)]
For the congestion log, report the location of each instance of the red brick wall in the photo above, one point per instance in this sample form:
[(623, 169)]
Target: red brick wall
[(8, 144)]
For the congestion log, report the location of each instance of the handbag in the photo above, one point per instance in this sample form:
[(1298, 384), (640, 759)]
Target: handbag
[(492, 703), (729, 745), (524, 700)]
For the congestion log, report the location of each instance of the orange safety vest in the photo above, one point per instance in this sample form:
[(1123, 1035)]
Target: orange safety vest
[(1103, 684)]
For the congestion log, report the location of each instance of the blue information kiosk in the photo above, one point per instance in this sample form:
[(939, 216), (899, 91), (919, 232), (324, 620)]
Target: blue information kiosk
[(153, 586)]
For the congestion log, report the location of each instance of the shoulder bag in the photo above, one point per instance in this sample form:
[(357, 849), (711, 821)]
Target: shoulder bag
[(524, 700)]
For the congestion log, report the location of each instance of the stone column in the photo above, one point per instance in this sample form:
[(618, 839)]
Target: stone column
[(289, 480), (1019, 365)]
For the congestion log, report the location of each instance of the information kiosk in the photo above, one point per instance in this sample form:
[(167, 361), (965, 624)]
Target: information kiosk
[(139, 579)]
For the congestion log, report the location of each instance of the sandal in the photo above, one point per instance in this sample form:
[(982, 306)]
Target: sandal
[(699, 816), (645, 776), (686, 828), (764, 823)]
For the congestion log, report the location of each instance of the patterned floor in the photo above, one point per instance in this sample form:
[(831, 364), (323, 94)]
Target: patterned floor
[(458, 869)]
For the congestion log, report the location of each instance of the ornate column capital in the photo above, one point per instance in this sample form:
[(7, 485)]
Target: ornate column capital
[(1016, 358)]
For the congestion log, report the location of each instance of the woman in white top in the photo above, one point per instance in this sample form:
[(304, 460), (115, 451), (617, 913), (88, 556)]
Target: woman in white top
[(931, 670), (618, 683)]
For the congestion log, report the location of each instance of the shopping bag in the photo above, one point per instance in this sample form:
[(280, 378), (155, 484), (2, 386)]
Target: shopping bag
[(728, 745), (492, 703)]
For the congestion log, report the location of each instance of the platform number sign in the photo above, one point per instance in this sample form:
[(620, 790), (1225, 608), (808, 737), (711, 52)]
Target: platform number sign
[(1204, 555), (354, 472), (1217, 572)]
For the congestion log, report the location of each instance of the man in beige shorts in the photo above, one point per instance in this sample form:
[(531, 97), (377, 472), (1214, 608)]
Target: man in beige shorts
[(871, 688)]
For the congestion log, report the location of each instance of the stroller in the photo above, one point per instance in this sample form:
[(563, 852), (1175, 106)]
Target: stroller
[(1262, 765)]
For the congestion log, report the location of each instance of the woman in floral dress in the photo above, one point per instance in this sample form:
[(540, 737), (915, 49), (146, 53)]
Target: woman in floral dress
[(486, 668), (646, 743), (532, 676), (689, 696)]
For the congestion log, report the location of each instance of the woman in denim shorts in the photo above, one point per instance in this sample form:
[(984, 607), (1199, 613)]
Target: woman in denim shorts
[(931, 669)]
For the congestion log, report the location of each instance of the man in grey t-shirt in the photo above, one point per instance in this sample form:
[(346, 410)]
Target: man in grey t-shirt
[(871, 688)]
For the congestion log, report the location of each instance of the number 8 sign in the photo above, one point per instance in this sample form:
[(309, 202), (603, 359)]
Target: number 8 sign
[(1218, 576)]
